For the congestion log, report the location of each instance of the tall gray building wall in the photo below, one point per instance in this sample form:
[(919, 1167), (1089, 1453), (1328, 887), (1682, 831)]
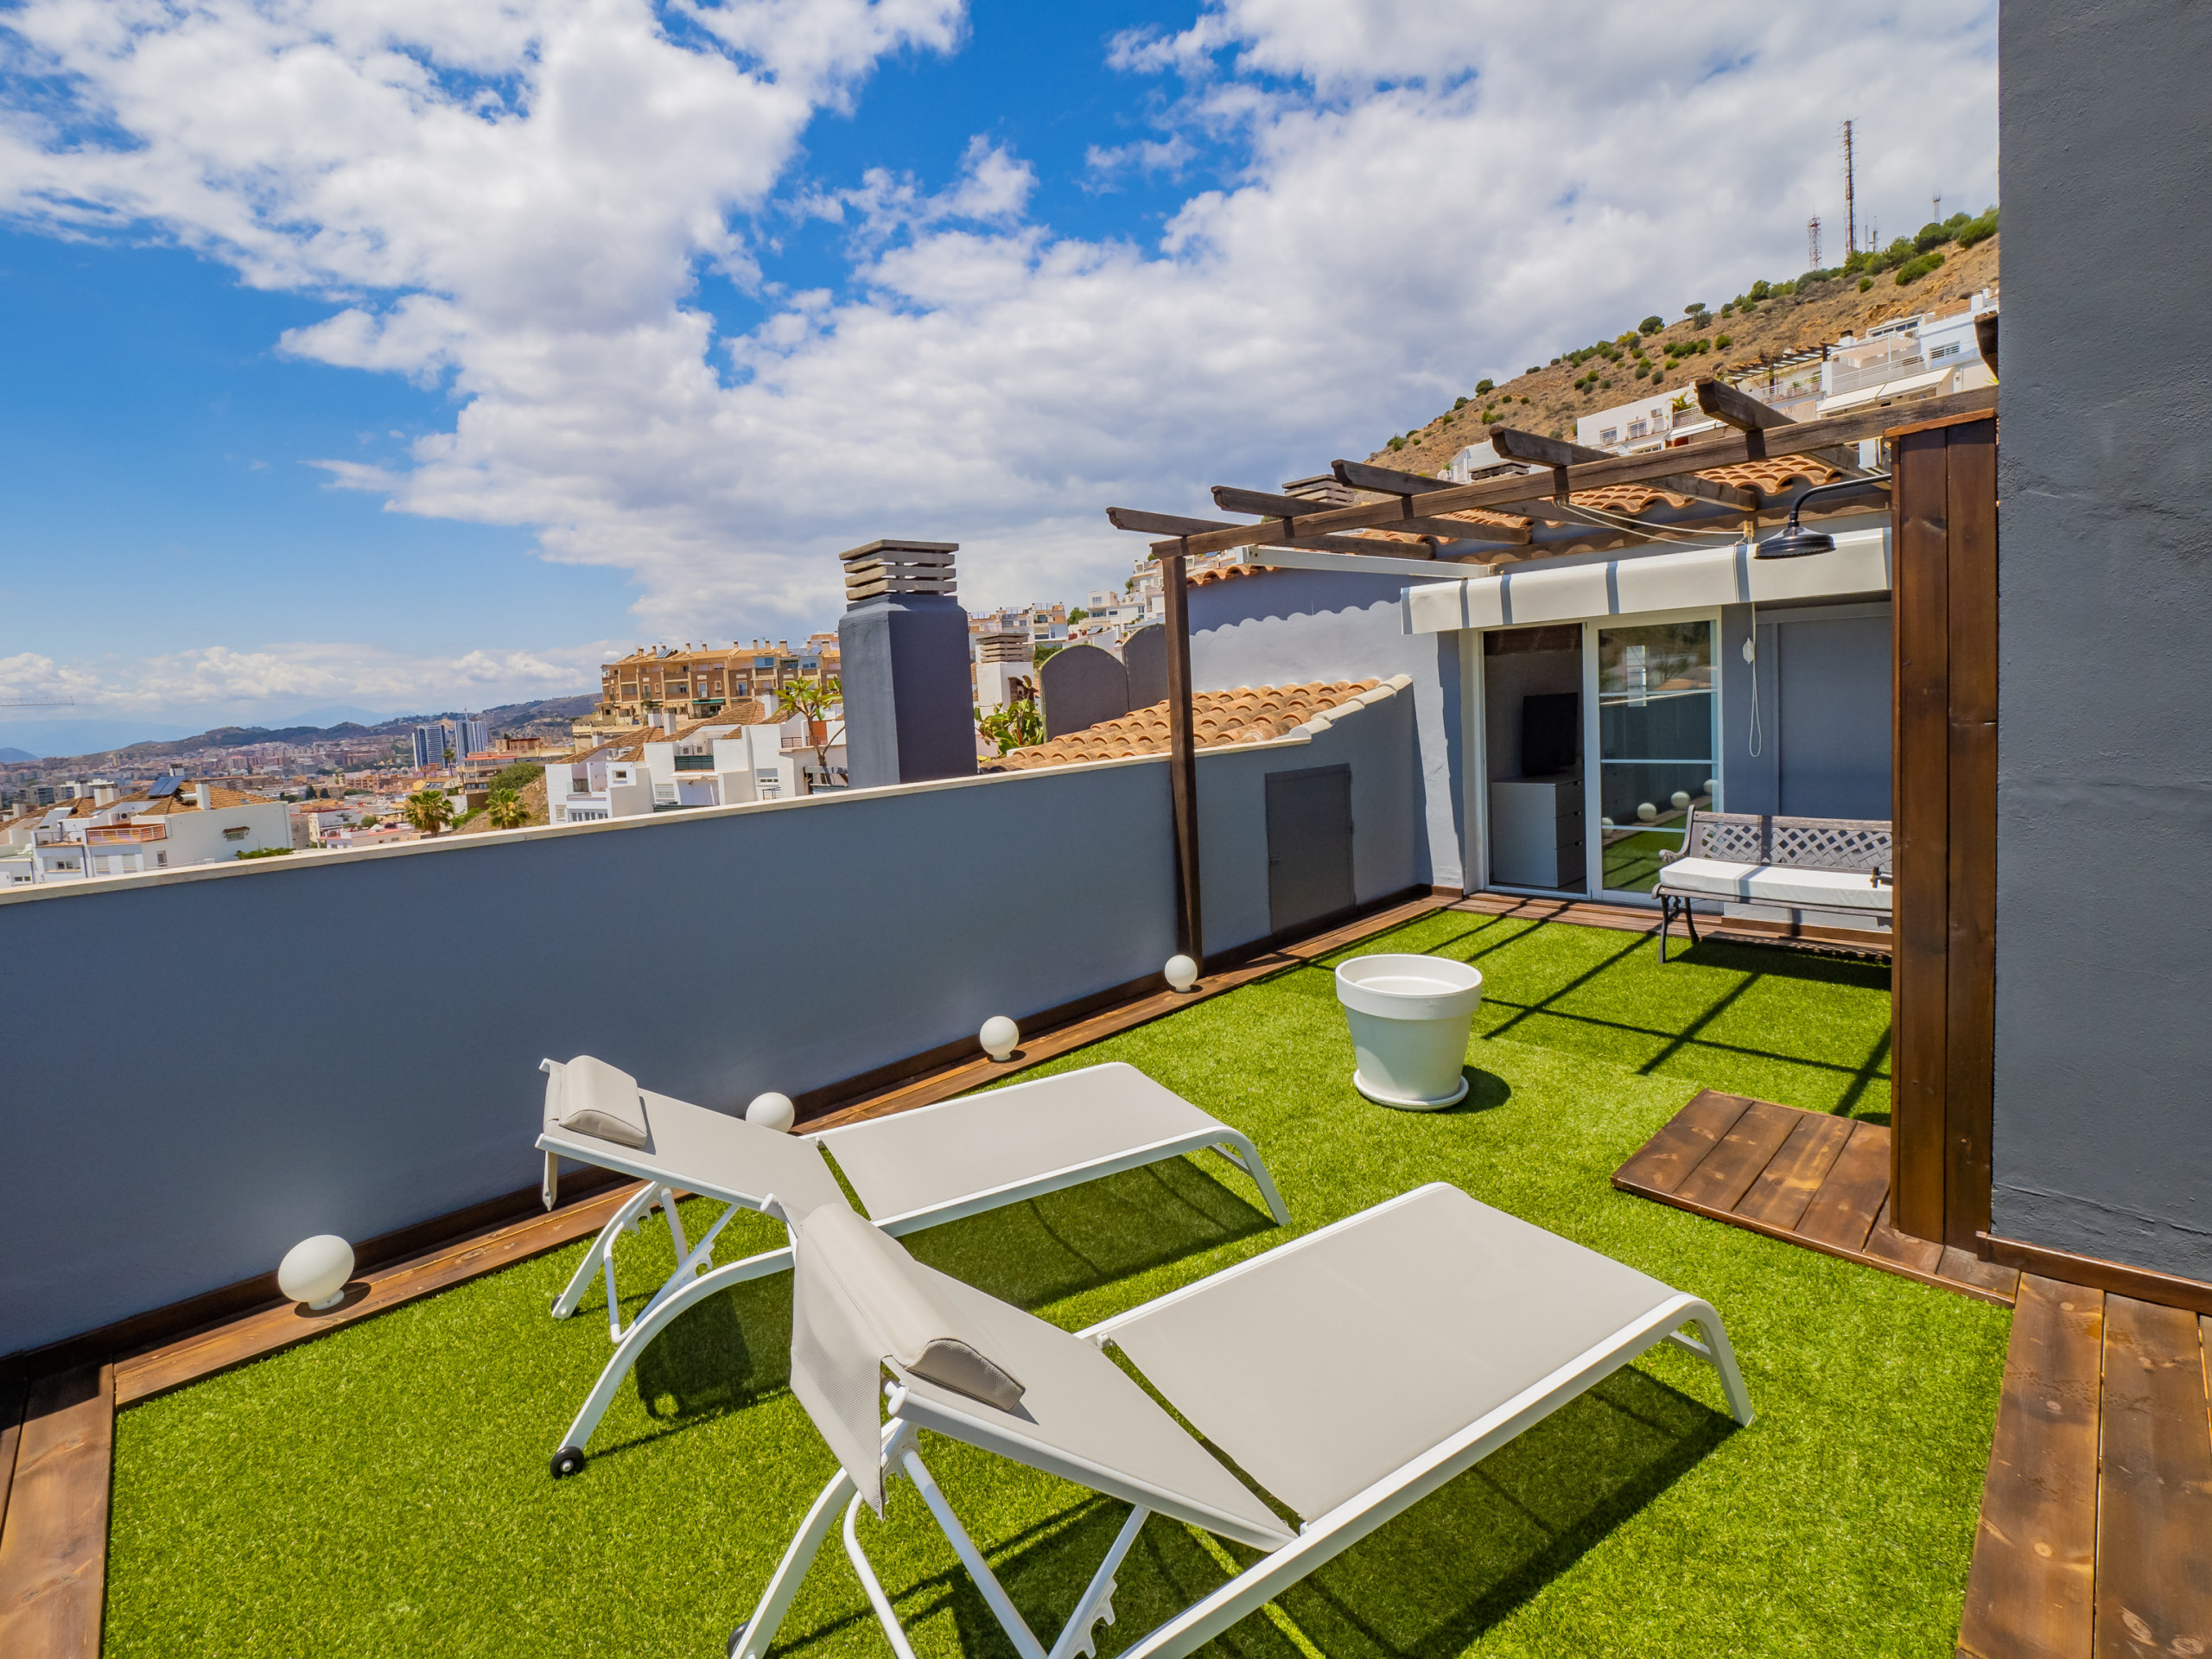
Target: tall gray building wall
[(2102, 1137)]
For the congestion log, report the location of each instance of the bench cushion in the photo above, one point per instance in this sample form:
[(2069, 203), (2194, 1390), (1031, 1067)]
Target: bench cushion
[(1775, 884)]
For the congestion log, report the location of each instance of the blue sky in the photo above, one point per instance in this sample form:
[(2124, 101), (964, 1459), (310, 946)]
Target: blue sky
[(401, 355)]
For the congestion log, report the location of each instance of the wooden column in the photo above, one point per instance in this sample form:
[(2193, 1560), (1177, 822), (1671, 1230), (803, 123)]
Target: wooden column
[(1183, 762), (1943, 807)]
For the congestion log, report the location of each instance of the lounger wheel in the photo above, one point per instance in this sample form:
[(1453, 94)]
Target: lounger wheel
[(736, 1639), (568, 1461)]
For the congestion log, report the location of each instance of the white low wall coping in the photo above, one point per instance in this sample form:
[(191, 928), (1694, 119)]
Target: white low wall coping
[(1696, 578)]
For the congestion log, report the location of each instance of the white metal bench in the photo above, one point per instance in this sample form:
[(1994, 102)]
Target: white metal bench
[(1758, 859)]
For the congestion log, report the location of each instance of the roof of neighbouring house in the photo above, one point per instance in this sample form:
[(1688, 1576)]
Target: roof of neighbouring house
[(1248, 715)]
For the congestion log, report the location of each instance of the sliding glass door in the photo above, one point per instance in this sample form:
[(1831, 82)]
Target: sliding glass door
[(1656, 715)]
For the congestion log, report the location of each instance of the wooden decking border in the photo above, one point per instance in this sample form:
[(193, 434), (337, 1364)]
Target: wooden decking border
[(2096, 1532), (1808, 1178)]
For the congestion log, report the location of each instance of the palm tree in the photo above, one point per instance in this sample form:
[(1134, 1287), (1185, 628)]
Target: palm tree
[(505, 810), (428, 809), (811, 702)]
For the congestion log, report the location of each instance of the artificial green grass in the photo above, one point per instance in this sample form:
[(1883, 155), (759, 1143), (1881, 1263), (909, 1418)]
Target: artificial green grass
[(383, 1490)]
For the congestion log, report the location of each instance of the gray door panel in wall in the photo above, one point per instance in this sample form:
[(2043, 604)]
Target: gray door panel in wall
[(1835, 681), (1309, 846)]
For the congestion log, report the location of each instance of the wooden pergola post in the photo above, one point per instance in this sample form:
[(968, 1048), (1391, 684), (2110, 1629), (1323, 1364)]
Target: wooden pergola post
[(1943, 760), (1183, 760)]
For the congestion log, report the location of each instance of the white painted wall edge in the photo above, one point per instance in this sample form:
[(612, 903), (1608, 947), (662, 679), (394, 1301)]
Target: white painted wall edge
[(1697, 578), (1297, 736)]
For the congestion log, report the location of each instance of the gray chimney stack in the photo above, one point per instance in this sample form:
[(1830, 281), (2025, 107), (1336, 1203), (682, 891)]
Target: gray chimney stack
[(902, 647)]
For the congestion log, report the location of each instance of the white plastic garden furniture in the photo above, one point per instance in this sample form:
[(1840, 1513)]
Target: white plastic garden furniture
[(1409, 1017), (1348, 1374), (912, 1170)]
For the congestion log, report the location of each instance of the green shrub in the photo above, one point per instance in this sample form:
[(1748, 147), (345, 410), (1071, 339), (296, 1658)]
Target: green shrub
[(1723, 341), (1933, 234), (1760, 290), (1865, 282), (1856, 261), (1459, 402), (1642, 369), (1650, 325), (518, 777), (1979, 230), (1534, 369), (265, 852), (1913, 269), (1481, 386), (1957, 220), (1396, 443)]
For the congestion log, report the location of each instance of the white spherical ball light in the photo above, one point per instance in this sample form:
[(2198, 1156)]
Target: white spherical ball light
[(1713, 789), (773, 1111), (998, 1036), (1605, 824), (1647, 811), (1182, 973), (1681, 798), (315, 1270)]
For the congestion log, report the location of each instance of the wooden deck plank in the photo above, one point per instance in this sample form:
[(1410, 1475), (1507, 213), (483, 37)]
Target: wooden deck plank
[(2031, 1590), (1967, 1269), (1666, 1159), (265, 1331), (11, 1429), (1884, 1240), (1842, 1213), (53, 1548), (2154, 1499), (1726, 1172), (1787, 1185)]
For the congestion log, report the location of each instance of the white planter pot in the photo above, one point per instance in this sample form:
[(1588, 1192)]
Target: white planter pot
[(1409, 1018)]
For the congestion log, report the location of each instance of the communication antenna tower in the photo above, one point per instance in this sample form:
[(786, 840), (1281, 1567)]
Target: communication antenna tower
[(1813, 243), (1850, 206)]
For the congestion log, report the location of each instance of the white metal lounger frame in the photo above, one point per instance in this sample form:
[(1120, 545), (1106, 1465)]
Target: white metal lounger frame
[(1316, 1543), (695, 1277)]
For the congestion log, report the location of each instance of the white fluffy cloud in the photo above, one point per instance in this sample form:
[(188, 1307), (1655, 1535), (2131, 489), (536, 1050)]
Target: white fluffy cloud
[(522, 197)]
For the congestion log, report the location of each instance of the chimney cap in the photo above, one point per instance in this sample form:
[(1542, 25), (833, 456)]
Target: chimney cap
[(891, 549)]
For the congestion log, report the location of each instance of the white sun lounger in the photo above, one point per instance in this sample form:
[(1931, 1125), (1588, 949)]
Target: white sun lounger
[(1349, 1373), (912, 1170)]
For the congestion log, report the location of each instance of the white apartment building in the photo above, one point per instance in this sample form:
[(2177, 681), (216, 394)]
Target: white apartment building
[(713, 763), (173, 824), (1905, 360)]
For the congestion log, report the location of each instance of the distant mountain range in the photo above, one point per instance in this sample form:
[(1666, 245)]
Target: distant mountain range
[(16, 757), (547, 717)]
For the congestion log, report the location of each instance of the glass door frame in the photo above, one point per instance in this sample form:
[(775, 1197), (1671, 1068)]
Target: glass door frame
[(1592, 796)]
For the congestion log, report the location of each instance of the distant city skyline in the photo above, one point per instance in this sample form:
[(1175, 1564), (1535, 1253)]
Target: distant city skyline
[(428, 401)]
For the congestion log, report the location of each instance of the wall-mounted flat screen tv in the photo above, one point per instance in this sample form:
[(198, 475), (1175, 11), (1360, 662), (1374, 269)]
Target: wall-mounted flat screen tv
[(1551, 724)]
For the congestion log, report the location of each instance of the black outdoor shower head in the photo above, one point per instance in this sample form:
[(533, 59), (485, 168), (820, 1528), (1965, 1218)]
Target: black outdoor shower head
[(1796, 544)]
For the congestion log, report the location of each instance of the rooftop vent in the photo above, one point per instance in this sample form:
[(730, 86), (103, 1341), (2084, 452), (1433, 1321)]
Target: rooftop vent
[(883, 568), (1325, 489), (1005, 648)]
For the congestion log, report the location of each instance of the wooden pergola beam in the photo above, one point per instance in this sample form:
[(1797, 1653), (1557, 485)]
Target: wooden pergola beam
[(1169, 524), (1230, 499), (1721, 450), (1555, 451)]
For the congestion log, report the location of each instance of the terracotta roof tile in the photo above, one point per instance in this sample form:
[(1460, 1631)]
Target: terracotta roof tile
[(1246, 715)]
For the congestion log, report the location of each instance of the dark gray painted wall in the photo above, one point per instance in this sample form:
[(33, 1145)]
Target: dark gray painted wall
[(1293, 626), (349, 1043), (909, 698), (2103, 1127), (1835, 686), (1825, 685)]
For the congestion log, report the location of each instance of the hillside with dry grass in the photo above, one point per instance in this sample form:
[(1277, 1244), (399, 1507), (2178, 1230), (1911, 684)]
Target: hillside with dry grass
[(1732, 337)]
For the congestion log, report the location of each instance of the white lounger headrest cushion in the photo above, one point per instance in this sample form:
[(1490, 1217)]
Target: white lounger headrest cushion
[(598, 1101), (858, 1298)]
